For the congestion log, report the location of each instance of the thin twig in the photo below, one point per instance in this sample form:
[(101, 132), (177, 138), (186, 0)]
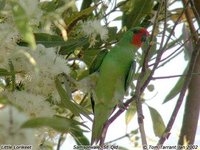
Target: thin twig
[(165, 26), (195, 11), (114, 9), (174, 76), (103, 136), (168, 48), (10, 121), (160, 53), (59, 141), (174, 53), (119, 138)]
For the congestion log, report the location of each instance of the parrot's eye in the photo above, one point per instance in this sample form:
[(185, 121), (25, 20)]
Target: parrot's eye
[(143, 38)]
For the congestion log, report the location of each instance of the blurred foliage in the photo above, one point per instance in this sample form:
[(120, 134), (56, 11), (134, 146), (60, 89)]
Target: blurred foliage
[(62, 124), (64, 19), (22, 23), (134, 12)]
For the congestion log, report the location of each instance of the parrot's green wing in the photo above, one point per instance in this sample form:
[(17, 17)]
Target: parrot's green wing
[(97, 61), (130, 75)]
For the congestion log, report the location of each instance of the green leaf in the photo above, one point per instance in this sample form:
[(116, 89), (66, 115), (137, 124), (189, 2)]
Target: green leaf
[(134, 132), (188, 46), (3, 100), (130, 113), (174, 43), (86, 4), (65, 96), (2, 4), (58, 123), (50, 6), (80, 138), (22, 23), (177, 88), (89, 55), (158, 123), (4, 72), (72, 20), (134, 12), (49, 40), (112, 33), (72, 44)]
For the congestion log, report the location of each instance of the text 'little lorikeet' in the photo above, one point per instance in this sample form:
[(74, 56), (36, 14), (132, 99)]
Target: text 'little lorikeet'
[(113, 72)]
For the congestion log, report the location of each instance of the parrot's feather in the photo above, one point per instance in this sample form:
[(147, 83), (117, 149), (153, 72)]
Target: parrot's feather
[(130, 75)]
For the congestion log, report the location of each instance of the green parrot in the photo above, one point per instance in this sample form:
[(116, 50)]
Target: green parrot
[(113, 74)]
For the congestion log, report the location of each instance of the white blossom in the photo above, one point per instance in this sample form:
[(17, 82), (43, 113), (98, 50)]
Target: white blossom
[(32, 10), (48, 65), (11, 132), (8, 39), (42, 85), (48, 135), (49, 62), (33, 105), (37, 69), (92, 28)]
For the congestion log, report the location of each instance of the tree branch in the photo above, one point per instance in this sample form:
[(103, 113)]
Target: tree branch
[(189, 20), (195, 4), (140, 87), (174, 76), (192, 105), (166, 134)]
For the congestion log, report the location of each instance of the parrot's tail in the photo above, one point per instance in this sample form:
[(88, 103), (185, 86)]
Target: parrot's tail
[(101, 115), (97, 130)]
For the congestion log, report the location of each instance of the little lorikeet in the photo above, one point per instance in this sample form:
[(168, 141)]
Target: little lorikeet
[(112, 81)]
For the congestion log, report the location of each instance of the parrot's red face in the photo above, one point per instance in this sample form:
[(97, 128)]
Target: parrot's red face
[(139, 36)]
